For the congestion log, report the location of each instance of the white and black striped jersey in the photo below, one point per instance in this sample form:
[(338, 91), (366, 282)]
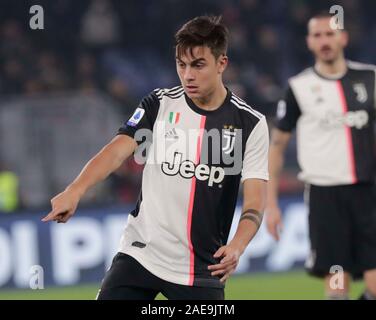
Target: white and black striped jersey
[(334, 120), (189, 185)]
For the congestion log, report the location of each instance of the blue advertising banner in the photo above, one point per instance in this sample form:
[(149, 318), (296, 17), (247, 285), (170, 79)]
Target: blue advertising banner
[(81, 250)]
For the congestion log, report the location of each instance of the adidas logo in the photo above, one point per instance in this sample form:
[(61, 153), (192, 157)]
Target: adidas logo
[(171, 135)]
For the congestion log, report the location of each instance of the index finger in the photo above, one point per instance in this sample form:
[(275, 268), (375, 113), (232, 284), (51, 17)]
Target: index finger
[(220, 265), (51, 215), (215, 266)]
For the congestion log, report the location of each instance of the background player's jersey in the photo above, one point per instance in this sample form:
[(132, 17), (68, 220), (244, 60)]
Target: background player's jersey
[(189, 185), (334, 120)]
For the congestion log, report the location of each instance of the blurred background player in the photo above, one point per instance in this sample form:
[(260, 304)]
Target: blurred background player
[(332, 105), (93, 71), (176, 238)]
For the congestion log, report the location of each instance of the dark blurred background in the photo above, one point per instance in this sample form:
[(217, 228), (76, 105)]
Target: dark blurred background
[(66, 89)]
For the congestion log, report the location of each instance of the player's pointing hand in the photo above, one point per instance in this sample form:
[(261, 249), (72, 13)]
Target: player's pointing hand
[(63, 207)]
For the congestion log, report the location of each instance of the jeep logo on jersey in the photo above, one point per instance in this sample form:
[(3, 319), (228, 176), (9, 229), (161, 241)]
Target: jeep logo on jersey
[(187, 169), (352, 119)]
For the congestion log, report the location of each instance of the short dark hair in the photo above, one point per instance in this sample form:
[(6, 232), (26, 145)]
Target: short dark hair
[(320, 15), (202, 31)]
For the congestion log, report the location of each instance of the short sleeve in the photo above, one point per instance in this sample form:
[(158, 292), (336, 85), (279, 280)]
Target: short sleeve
[(255, 161), (288, 112), (143, 117)]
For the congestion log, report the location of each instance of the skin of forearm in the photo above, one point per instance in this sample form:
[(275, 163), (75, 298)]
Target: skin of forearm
[(276, 162), (97, 169), (244, 234), (247, 229), (278, 145)]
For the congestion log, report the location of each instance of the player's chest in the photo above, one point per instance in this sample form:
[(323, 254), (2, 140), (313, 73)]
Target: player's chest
[(333, 104), (181, 134)]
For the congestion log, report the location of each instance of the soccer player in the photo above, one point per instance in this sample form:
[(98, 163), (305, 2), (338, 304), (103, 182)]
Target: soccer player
[(175, 241), (332, 106)]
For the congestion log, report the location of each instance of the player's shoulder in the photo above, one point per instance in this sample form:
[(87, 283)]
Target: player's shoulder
[(359, 66), (155, 97), (247, 111), (172, 93), (301, 76)]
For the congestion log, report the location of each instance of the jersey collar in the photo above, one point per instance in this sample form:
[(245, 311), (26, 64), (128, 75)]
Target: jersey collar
[(335, 78), (197, 109)]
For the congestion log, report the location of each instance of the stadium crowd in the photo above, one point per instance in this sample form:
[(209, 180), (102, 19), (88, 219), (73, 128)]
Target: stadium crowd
[(117, 47)]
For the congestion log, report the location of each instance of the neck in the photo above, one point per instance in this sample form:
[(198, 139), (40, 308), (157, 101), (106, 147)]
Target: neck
[(332, 69), (212, 100)]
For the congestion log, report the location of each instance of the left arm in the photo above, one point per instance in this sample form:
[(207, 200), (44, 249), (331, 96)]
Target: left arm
[(254, 195), (254, 177)]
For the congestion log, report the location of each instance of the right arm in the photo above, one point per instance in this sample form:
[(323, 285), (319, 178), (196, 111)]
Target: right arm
[(106, 161), (97, 169), (288, 113), (279, 142)]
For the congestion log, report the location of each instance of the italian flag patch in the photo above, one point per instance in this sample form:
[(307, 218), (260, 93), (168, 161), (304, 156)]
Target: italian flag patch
[(174, 117)]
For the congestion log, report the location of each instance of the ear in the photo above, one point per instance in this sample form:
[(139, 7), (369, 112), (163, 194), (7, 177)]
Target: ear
[(308, 42), (222, 63), (344, 38)]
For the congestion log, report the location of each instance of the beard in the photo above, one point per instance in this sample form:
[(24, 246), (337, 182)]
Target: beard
[(328, 56)]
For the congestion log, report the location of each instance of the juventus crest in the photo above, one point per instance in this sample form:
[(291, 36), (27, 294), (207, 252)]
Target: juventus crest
[(361, 92), (228, 139)]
